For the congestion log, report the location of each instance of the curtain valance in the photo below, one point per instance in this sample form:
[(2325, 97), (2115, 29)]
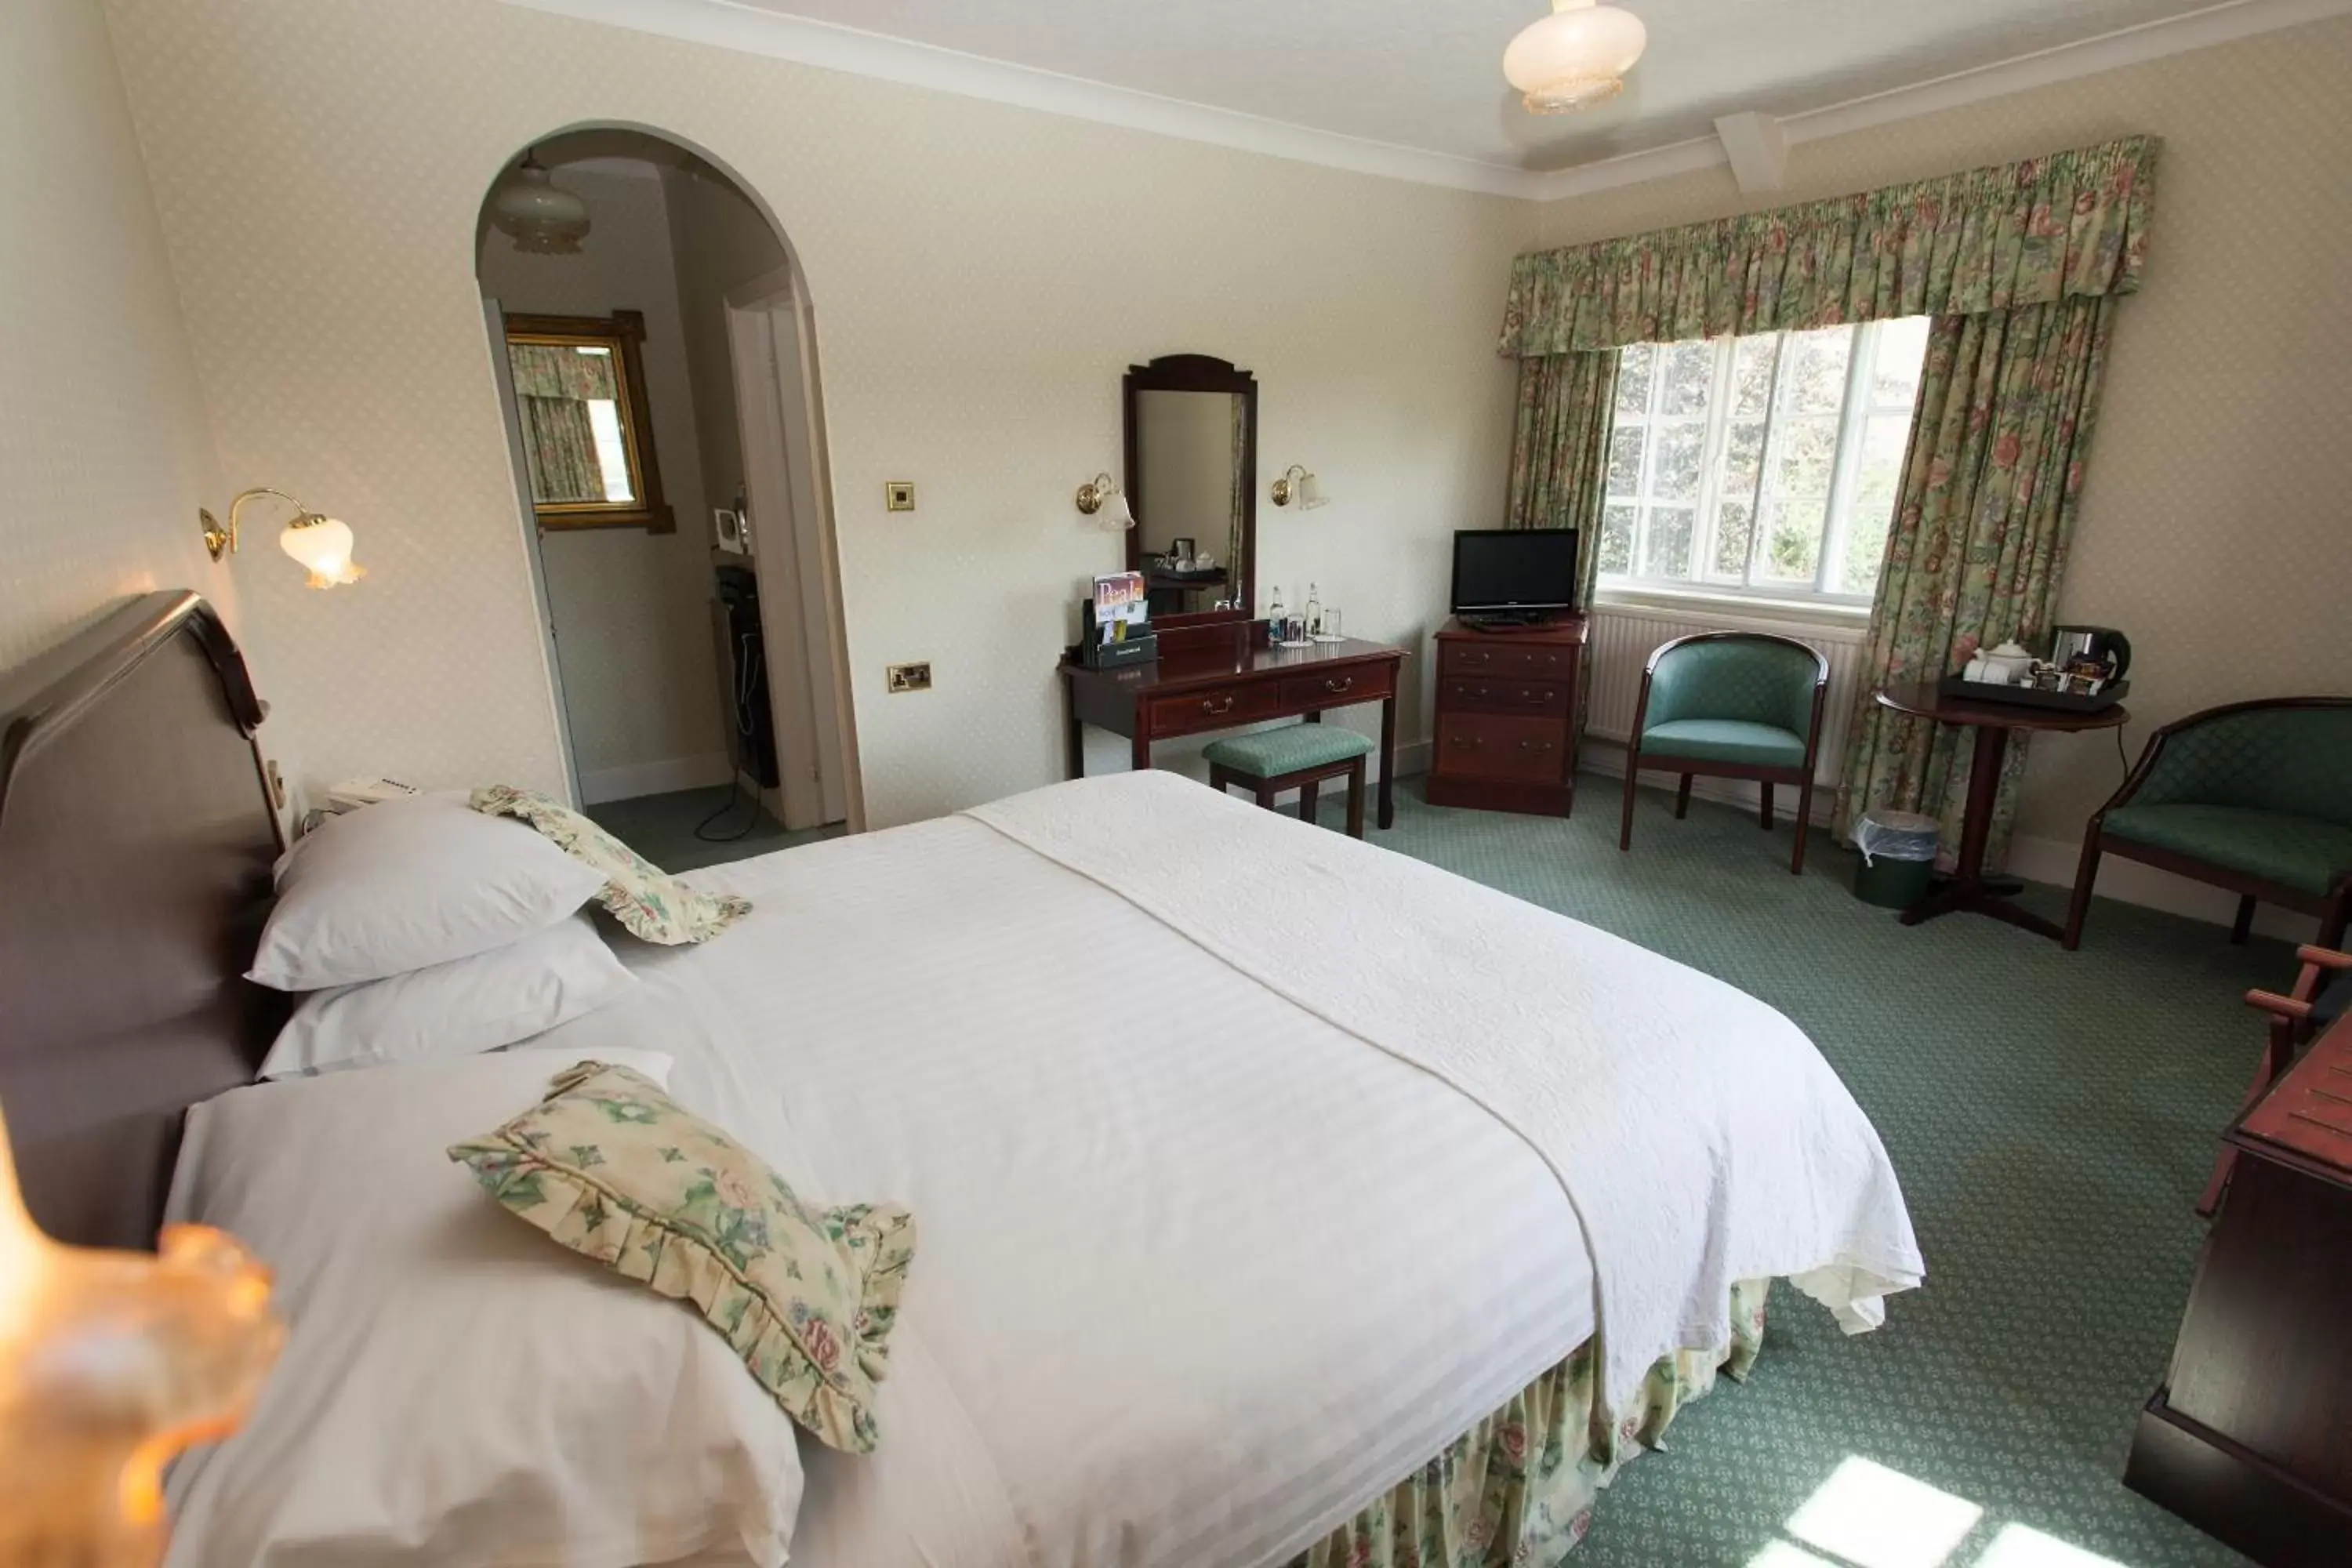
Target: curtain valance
[(2071, 224)]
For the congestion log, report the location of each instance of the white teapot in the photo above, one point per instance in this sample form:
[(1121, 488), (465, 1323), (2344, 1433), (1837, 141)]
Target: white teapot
[(2007, 665)]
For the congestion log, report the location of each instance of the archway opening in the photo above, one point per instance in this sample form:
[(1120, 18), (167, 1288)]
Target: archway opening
[(654, 344)]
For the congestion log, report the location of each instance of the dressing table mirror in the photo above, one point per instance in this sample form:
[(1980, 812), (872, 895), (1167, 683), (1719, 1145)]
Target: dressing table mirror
[(1191, 480)]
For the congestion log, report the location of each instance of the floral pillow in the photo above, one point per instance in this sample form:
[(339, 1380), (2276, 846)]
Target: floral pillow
[(610, 1167), (647, 900)]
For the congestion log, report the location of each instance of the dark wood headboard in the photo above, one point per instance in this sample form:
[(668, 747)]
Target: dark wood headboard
[(136, 842)]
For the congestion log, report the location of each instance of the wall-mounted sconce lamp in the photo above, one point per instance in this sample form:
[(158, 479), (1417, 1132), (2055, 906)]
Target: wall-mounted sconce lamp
[(320, 543), (1099, 495), (1297, 484)]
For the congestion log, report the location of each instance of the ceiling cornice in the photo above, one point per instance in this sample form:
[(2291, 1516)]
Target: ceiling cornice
[(750, 29), (2220, 24)]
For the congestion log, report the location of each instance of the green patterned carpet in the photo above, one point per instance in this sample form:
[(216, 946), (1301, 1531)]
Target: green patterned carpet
[(2051, 1116)]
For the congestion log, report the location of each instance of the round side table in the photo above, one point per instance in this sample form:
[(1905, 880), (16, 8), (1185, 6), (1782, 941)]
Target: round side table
[(1992, 721)]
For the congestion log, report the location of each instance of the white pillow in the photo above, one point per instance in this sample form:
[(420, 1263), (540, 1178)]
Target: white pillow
[(453, 1389), (392, 888), (460, 1008)]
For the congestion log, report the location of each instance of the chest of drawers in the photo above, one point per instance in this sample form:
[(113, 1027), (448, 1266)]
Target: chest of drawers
[(1505, 720)]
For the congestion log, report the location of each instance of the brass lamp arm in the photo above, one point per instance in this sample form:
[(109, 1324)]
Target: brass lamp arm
[(221, 541)]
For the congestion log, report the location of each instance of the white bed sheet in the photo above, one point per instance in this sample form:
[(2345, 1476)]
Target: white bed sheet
[(1199, 1274)]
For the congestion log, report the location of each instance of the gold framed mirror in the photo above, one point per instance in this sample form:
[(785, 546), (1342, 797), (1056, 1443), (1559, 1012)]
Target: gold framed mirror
[(587, 434)]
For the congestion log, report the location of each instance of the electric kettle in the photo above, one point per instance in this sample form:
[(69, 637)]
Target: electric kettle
[(2100, 651)]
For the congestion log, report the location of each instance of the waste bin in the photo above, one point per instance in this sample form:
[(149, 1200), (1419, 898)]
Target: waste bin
[(1898, 857)]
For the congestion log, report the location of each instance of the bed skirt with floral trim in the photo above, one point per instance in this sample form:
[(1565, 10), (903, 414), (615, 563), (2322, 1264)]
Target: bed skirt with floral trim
[(1519, 1488)]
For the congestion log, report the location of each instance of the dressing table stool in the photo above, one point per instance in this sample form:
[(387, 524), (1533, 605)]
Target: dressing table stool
[(1297, 755)]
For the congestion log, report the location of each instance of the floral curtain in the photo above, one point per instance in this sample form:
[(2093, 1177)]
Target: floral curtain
[(1559, 450), (1990, 489), (2069, 226), (554, 383)]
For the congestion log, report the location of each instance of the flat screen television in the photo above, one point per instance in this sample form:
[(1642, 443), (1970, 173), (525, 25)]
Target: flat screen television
[(1513, 573)]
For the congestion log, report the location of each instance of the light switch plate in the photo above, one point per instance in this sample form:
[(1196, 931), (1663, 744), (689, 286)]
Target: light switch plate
[(898, 495), (911, 676)]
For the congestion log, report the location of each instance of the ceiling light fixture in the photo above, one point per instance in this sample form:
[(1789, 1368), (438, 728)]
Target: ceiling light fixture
[(1575, 58), (537, 214)]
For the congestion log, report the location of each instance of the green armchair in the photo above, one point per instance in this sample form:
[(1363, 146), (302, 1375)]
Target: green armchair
[(2255, 797), (1742, 705)]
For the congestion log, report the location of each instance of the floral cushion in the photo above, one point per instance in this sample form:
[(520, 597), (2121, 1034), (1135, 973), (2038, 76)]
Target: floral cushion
[(647, 900), (610, 1167)]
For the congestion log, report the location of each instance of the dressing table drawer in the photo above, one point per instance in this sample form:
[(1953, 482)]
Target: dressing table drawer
[(1214, 710), (1479, 694), (1498, 655), (1365, 684), (1495, 746)]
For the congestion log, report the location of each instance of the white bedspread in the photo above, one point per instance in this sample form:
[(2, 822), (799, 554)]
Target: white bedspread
[(1201, 1271), (1700, 1136)]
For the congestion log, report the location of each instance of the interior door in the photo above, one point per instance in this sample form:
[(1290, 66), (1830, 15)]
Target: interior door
[(494, 322)]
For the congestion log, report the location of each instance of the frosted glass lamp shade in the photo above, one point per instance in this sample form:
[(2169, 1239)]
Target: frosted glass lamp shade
[(1117, 516), (1577, 56), (324, 545), (537, 214)]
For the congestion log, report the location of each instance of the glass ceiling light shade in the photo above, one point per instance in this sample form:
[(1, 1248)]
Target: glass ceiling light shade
[(537, 214), (324, 545), (1574, 57)]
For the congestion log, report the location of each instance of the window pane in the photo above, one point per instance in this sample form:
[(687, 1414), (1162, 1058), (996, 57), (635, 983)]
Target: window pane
[(612, 451), (1894, 377), (1793, 539), (1625, 461), (1669, 545), (1743, 458), (1734, 524), (1616, 538), (1752, 362), (1633, 379), (1877, 478), (1817, 366), (1688, 367), (1674, 474), (1808, 453)]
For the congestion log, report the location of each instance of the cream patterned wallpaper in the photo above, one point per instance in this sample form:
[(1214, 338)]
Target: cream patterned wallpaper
[(632, 608), (2217, 505), (981, 277), (104, 453)]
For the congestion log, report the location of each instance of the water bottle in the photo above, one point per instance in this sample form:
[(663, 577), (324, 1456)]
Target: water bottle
[(1314, 612), (1274, 629)]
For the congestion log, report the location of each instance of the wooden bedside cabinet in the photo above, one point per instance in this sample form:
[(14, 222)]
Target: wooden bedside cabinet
[(1506, 729)]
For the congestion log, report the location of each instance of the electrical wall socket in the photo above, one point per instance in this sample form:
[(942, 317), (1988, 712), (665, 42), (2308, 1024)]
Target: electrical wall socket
[(911, 676)]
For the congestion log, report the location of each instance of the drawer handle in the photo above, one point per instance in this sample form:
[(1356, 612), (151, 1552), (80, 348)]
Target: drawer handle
[(1340, 683), (1215, 706), (1535, 746)]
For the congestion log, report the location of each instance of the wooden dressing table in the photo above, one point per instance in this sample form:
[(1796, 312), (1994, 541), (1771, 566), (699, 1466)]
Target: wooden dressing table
[(1221, 676)]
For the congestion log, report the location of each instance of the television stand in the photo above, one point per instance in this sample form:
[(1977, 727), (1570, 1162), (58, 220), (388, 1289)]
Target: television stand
[(1506, 620)]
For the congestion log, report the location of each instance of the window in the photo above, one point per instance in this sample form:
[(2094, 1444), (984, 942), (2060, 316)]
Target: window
[(1763, 465)]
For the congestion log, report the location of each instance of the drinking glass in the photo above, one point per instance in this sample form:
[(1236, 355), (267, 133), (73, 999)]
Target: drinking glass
[(1330, 629)]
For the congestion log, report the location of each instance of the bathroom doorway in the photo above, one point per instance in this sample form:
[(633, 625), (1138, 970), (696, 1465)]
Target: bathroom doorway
[(655, 353)]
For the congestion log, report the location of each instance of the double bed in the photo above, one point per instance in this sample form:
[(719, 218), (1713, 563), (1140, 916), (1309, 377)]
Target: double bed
[(1255, 1167)]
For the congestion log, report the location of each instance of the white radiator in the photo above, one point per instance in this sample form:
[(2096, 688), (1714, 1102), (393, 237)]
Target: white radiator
[(1622, 636)]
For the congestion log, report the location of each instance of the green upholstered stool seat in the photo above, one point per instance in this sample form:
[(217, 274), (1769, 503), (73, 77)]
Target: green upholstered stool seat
[(1269, 753), (1301, 754), (1723, 741), (2299, 852)]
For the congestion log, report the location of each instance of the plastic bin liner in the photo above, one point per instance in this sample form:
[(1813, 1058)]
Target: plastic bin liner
[(1895, 835)]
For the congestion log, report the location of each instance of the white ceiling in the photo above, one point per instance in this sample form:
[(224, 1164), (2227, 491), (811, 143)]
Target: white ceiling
[(1427, 74)]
